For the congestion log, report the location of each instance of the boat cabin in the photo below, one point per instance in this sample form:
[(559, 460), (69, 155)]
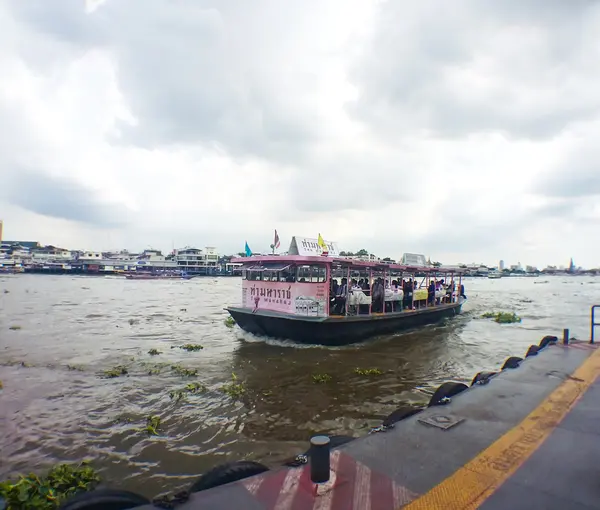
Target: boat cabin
[(323, 286)]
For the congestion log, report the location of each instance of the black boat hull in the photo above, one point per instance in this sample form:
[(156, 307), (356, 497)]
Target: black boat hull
[(337, 330)]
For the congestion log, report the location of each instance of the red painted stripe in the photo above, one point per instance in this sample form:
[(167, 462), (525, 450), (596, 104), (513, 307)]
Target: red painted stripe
[(343, 495), (269, 489), (289, 489), (382, 492), (305, 495)]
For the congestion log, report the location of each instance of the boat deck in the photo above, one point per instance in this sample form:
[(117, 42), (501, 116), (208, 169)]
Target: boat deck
[(530, 438)]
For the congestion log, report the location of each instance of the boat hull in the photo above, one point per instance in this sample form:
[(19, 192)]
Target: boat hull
[(337, 330)]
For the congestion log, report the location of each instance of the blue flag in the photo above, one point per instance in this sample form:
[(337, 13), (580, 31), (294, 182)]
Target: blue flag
[(248, 250)]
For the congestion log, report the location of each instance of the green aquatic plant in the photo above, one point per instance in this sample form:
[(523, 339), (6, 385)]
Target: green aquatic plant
[(115, 372), (154, 352), (193, 388), (367, 371), (152, 425), (321, 378), (15, 328), (33, 492), (234, 389), (230, 322), (191, 347), (75, 368), (502, 317), (185, 372)]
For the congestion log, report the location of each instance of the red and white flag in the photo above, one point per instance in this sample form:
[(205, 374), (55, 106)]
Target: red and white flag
[(276, 242)]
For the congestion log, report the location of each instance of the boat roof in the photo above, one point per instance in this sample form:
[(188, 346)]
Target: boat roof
[(280, 262)]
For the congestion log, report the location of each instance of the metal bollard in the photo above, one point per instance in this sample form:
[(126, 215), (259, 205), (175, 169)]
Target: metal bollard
[(319, 459), (566, 336)]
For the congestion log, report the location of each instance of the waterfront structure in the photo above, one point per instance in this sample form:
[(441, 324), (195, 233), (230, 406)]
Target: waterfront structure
[(501, 265), (413, 259), (196, 261)]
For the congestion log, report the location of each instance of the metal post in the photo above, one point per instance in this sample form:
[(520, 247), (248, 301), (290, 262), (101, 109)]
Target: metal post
[(566, 336), (319, 459)]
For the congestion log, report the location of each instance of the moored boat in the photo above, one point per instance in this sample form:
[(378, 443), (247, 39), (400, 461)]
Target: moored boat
[(148, 275), (332, 300)]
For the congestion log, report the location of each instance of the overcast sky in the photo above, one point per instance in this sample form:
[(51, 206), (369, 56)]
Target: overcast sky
[(463, 130)]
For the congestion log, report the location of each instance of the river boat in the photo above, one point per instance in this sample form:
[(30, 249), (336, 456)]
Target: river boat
[(147, 275), (294, 297), (494, 275)]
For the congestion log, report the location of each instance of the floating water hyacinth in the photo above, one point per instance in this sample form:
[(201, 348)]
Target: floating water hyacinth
[(502, 317), (367, 371), (33, 492)]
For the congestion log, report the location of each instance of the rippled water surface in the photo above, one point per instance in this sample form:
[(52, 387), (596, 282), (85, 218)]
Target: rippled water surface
[(55, 405)]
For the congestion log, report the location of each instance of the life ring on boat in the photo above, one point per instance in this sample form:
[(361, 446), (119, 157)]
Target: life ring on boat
[(512, 362), (400, 414), (482, 378), (227, 473), (532, 351), (547, 340), (446, 390), (104, 499)]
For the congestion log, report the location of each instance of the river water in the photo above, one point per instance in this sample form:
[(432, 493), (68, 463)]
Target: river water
[(56, 406)]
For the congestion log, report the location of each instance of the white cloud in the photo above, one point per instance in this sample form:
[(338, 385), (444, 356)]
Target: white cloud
[(466, 132)]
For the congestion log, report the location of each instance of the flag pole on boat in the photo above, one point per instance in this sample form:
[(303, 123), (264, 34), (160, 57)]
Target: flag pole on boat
[(276, 243), (321, 243)]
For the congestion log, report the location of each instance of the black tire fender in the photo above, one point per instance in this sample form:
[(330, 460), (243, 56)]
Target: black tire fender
[(400, 414), (447, 389), (547, 340), (105, 499), (532, 351), (512, 362), (482, 378), (227, 473)]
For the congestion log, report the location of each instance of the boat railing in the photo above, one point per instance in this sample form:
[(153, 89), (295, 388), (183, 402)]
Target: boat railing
[(593, 322)]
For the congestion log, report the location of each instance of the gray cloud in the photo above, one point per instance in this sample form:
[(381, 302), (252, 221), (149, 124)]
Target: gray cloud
[(198, 71), (533, 74), (60, 198)]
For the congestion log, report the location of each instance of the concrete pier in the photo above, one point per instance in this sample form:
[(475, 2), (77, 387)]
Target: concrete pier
[(529, 438)]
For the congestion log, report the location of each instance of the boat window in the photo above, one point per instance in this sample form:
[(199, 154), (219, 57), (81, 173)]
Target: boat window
[(318, 274), (254, 275), (303, 274), (311, 274), (287, 275)]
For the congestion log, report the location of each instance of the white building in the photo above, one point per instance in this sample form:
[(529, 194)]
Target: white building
[(501, 265), (413, 259), (197, 261), (154, 260)]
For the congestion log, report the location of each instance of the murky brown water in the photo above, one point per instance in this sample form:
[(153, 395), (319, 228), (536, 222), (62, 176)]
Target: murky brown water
[(49, 412)]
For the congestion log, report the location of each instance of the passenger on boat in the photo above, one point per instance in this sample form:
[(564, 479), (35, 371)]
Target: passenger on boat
[(408, 293), (378, 296), (462, 292), (431, 294), (340, 298)]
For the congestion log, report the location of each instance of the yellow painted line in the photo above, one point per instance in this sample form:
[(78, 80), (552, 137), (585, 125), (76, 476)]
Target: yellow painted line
[(472, 484)]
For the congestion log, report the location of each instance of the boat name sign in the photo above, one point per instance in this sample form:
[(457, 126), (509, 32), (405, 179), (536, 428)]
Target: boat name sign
[(308, 247), (306, 299)]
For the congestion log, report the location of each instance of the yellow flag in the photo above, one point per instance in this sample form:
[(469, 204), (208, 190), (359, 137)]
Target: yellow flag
[(321, 243)]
